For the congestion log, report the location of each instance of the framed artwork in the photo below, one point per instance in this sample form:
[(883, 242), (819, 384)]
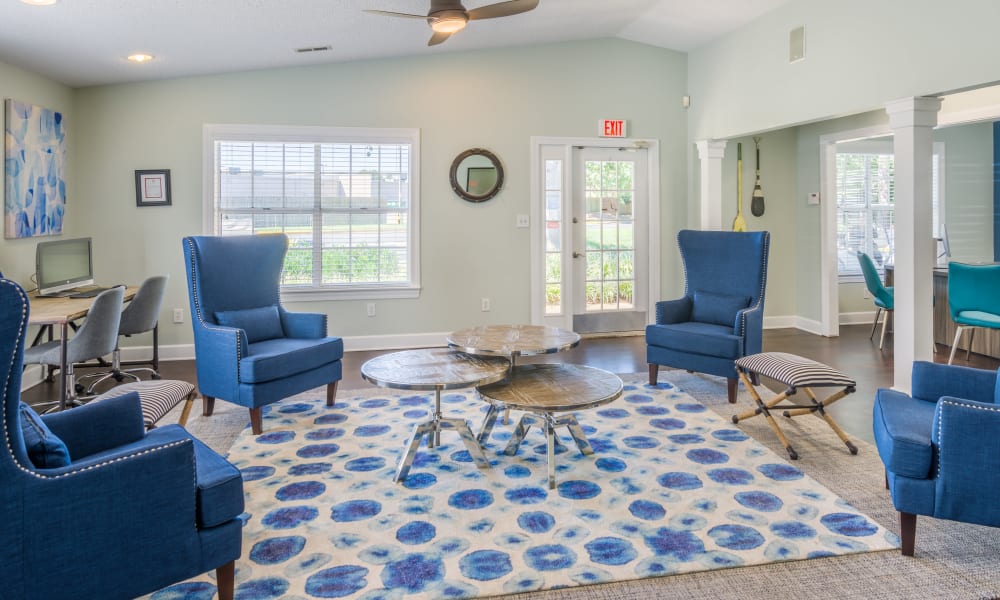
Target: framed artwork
[(480, 180), (152, 187), (35, 143)]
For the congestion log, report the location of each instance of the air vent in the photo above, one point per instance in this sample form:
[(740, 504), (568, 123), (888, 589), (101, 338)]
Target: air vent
[(308, 49)]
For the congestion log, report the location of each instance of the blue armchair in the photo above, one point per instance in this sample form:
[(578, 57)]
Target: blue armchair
[(95, 507), (721, 316), (249, 350), (941, 446)]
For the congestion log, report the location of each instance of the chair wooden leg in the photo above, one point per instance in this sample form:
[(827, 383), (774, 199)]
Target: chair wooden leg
[(731, 385), (207, 405), (331, 392), (653, 372), (225, 580), (907, 532), (954, 344), (257, 420), (878, 311), (885, 322)]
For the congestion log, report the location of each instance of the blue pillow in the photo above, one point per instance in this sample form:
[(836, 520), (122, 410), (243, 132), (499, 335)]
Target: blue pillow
[(45, 450), (260, 324), (720, 309)]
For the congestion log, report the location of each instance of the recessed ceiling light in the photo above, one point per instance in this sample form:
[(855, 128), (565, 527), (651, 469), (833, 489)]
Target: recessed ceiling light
[(40, 2), (140, 58)]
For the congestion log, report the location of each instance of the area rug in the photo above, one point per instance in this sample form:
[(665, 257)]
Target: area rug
[(672, 488)]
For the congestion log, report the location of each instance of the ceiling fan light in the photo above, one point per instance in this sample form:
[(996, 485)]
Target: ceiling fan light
[(449, 23)]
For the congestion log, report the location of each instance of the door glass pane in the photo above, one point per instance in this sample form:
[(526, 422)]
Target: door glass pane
[(609, 229)]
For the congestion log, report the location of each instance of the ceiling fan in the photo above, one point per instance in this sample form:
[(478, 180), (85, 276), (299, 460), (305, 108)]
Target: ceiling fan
[(449, 16)]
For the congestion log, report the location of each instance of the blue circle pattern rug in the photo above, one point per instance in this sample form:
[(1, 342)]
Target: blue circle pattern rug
[(671, 488)]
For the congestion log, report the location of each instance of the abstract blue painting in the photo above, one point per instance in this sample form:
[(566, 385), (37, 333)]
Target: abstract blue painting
[(35, 142)]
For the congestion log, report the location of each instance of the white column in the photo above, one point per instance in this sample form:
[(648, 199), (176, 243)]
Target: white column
[(710, 153), (912, 121)]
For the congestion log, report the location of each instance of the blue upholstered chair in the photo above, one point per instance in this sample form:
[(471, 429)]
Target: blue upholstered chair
[(96, 507), (881, 295), (721, 316), (973, 300), (941, 446), (248, 349)]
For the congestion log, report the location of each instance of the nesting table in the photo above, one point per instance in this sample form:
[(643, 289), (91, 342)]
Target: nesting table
[(435, 369), (542, 391)]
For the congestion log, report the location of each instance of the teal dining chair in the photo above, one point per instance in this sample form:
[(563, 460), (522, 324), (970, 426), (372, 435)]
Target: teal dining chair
[(973, 300), (882, 295)]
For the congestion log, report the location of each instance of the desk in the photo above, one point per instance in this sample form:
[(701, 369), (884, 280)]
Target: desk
[(49, 312), (985, 342)]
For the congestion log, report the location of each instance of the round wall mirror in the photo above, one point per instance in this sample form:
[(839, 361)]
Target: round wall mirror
[(476, 175)]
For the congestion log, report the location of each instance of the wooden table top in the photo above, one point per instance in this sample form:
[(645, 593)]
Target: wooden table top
[(433, 369), (513, 340), (546, 388), (53, 311)]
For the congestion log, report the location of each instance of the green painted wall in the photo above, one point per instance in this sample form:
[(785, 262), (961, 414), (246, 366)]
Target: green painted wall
[(493, 99), (17, 256)]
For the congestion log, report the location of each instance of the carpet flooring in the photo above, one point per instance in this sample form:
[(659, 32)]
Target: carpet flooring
[(953, 560)]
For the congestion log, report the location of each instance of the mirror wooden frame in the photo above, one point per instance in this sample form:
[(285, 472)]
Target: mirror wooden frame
[(462, 192)]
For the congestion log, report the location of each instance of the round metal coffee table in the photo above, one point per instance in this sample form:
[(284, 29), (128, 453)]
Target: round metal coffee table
[(435, 369), (542, 391)]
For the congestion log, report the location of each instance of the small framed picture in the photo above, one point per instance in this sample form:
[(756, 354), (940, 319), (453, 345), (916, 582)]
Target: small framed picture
[(152, 188)]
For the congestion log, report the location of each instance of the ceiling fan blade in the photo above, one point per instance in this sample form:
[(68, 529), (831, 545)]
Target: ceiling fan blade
[(502, 9), (437, 38), (386, 13)]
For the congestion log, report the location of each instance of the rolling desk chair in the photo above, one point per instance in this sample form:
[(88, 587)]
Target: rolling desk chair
[(97, 337), (139, 316)]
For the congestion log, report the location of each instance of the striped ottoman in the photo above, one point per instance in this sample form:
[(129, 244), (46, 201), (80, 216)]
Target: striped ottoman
[(795, 372), (158, 397)]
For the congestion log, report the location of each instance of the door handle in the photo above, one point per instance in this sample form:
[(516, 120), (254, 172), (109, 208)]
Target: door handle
[(577, 254)]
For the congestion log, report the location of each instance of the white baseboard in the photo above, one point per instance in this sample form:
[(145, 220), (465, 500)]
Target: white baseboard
[(857, 318)]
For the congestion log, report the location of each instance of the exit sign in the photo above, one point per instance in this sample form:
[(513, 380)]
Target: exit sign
[(613, 128)]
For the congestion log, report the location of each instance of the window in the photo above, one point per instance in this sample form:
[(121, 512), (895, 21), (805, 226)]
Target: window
[(866, 204), (346, 198)]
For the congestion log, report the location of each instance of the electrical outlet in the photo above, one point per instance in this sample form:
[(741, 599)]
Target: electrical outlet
[(522, 221), (486, 305), (178, 315), (370, 309)]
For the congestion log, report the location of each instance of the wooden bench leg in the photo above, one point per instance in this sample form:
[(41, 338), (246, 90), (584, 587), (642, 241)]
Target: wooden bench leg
[(186, 411)]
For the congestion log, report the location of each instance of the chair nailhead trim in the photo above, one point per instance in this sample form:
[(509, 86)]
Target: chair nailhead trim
[(941, 425)]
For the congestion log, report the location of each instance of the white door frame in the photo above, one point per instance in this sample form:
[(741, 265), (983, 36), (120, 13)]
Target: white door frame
[(537, 229), (829, 277)]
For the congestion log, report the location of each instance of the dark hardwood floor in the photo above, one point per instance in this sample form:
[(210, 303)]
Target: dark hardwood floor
[(852, 353)]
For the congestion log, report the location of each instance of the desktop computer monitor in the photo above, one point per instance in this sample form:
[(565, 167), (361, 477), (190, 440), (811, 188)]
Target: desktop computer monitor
[(62, 265)]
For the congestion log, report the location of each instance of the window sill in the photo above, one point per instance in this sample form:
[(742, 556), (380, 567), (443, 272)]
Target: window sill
[(353, 293)]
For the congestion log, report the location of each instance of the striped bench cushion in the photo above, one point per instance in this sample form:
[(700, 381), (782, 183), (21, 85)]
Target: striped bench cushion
[(792, 370), (157, 396)]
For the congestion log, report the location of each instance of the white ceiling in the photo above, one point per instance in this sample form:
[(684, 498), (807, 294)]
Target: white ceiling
[(85, 42)]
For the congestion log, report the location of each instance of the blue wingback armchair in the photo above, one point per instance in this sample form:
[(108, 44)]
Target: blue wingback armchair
[(94, 506), (249, 350), (720, 317), (941, 446)]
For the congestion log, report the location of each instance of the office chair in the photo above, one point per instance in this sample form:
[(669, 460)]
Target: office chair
[(97, 337), (881, 295), (139, 316), (721, 315), (973, 300)]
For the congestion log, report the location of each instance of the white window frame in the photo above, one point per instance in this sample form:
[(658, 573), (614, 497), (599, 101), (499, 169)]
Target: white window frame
[(886, 147), (212, 133)]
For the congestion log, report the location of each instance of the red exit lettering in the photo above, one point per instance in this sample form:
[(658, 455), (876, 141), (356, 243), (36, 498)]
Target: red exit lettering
[(613, 128)]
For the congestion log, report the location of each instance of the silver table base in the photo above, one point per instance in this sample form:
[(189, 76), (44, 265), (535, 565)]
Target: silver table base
[(432, 429), (548, 422)]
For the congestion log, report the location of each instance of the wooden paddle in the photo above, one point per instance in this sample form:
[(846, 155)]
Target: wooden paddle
[(757, 198), (739, 223)]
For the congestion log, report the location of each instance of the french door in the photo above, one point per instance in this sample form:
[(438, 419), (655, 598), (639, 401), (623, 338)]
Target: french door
[(596, 220)]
